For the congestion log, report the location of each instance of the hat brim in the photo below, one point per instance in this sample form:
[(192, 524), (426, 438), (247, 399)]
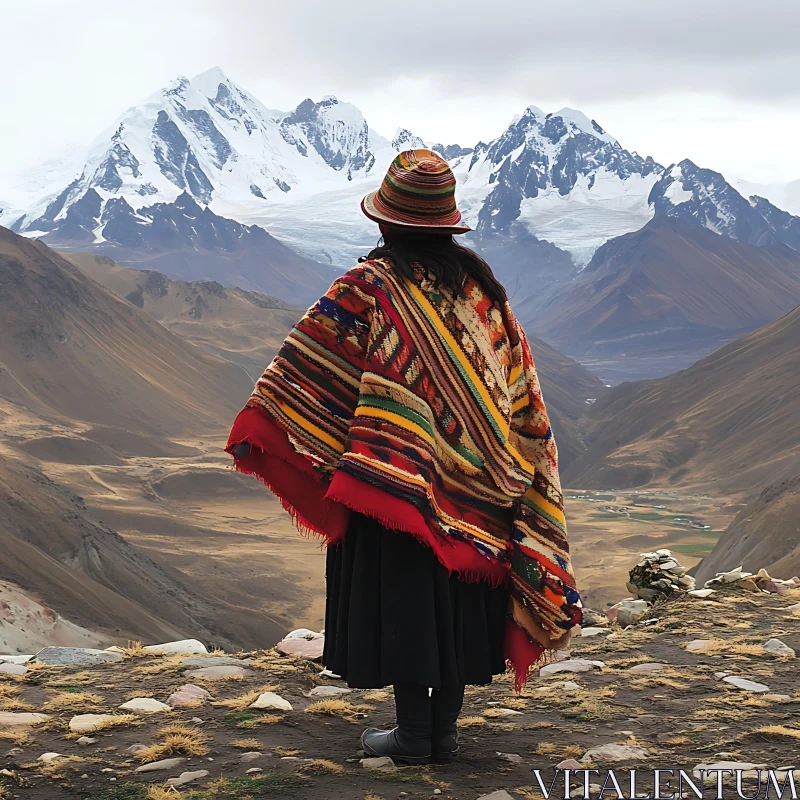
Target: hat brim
[(369, 209)]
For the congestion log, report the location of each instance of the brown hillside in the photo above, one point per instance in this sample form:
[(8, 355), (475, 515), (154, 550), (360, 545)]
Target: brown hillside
[(667, 287), (765, 534), (244, 327), (729, 424), (70, 347)]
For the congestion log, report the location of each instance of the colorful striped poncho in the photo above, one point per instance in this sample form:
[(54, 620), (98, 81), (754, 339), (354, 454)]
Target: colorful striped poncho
[(423, 410)]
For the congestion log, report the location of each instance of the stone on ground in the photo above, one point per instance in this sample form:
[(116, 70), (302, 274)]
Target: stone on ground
[(253, 770), (271, 700), (384, 763), (13, 669), (136, 748), (47, 758), (514, 758), (500, 794), (614, 752), (15, 659), (328, 691), (87, 723), (571, 665), (648, 666), (570, 763), (304, 633), (183, 647), (253, 755), (701, 593), (165, 763), (9, 718), (80, 656), (188, 695), (217, 673), (698, 645), (187, 777), (145, 705), (779, 648), (748, 770), (310, 649), (594, 632), (85, 741), (745, 685)]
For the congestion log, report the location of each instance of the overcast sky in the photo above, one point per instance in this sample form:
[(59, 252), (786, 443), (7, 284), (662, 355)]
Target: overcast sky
[(717, 81)]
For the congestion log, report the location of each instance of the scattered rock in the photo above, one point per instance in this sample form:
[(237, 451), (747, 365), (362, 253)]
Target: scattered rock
[(310, 649), (571, 665), (514, 758), (698, 645), (182, 647), (328, 691), (252, 770), (594, 632), (500, 794), (253, 755), (570, 763), (85, 741), (779, 648), (187, 777), (155, 766), (701, 593), (88, 723), (15, 751), (134, 748), (9, 718), (80, 656), (15, 659), (47, 758), (215, 661), (648, 666), (271, 700), (505, 712), (188, 695), (745, 685), (779, 698), (13, 669), (145, 705), (326, 673), (218, 673), (383, 763), (614, 752), (304, 633), (571, 686), (794, 607)]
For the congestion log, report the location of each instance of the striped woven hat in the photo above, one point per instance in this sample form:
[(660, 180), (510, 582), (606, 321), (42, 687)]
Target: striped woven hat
[(418, 193)]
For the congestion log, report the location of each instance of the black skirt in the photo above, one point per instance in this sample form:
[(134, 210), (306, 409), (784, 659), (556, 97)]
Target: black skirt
[(395, 615)]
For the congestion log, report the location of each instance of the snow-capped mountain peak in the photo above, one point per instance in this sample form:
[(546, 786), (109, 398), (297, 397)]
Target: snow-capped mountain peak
[(403, 139)]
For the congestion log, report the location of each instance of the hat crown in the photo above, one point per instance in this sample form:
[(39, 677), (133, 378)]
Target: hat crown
[(419, 191)]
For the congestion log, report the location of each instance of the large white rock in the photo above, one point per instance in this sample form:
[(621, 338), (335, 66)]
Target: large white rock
[(155, 766), (188, 777), (87, 723), (745, 685), (329, 691), (145, 705), (571, 665), (79, 656), (15, 659), (188, 695), (779, 648), (304, 633), (271, 700), (218, 673), (13, 669), (47, 758), (183, 647), (615, 752), (9, 718), (698, 645)]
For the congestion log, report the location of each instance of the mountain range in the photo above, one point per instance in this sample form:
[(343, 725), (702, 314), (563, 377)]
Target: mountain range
[(202, 181)]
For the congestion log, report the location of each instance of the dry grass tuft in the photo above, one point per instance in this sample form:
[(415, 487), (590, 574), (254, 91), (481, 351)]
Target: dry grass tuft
[(779, 730), (169, 664), (56, 769), (377, 696), (176, 739), (17, 738), (244, 701), (471, 722), (321, 766), (8, 689), (285, 751), (517, 703), (84, 678), (73, 701), (247, 744), (678, 740), (334, 708), (136, 650), (14, 704), (167, 792)]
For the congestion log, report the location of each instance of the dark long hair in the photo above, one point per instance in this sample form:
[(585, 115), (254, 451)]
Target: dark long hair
[(448, 262)]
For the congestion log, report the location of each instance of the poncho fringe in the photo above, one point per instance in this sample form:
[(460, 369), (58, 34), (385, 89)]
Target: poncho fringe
[(424, 412)]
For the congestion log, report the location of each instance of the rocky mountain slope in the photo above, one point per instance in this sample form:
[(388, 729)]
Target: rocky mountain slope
[(69, 347), (694, 688), (738, 406), (668, 287)]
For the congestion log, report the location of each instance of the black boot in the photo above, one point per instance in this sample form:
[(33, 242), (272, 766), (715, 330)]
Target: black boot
[(447, 703), (410, 741)]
